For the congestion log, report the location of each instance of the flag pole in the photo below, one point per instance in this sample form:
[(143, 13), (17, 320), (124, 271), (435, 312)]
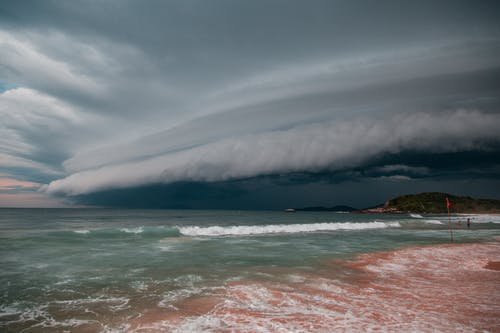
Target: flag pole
[(449, 219)]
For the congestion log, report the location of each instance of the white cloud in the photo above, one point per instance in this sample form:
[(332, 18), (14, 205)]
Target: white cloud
[(9, 161), (315, 147), (349, 72), (25, 64), (403, 168), (27, 108), (33, 125), (282, 96)]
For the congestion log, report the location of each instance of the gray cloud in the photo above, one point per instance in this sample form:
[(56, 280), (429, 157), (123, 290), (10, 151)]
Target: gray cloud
[(313, 100), (167, 91), (314, 147)]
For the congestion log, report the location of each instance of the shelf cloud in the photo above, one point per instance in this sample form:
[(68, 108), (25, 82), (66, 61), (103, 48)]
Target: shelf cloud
[(316, 147), (223, 92)]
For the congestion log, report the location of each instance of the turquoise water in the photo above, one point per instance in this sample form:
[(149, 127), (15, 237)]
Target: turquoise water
[(94, 270)]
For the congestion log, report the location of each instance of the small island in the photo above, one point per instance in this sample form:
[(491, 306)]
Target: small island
[(435, 203), (422, 203)]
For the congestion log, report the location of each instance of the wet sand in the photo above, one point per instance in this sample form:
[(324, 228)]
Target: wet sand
[(444, 288), (493, 265)]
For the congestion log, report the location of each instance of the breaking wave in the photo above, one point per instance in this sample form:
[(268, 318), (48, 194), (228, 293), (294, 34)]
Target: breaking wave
[(137, 230), (142, 231), (481, 218), (433, 222), (281, 228)]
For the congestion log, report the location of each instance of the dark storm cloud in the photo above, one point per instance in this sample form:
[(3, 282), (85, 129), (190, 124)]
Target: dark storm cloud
[(224, 41), (329, 145), (106, 95), (265, 193)]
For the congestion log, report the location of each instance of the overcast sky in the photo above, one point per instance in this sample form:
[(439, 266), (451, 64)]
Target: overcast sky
[(247, 104)]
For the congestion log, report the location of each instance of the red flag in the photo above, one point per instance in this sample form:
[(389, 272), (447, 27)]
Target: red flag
[(448, 203)]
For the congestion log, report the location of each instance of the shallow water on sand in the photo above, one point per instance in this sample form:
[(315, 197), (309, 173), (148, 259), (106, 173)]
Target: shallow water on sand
[(83, 270)]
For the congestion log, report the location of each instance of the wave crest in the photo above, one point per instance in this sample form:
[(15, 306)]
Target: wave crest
[(281, 228)]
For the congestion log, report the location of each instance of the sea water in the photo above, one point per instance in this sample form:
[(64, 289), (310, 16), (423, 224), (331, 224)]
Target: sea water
[(106, 270)]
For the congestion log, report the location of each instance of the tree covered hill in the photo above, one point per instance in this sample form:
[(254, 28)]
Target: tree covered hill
[(435, 202)]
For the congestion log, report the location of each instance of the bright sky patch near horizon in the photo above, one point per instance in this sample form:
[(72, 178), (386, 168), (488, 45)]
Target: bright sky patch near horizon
[(258, 105)]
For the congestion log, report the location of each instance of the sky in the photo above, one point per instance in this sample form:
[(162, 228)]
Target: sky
[(247, 104)]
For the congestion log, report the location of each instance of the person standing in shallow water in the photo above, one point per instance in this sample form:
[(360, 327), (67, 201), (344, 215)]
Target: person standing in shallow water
[(468, 223)]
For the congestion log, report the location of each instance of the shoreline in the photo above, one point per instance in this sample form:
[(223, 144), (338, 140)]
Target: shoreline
[(446, 288)]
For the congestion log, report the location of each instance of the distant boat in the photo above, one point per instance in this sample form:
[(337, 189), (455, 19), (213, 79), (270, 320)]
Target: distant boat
[(289, 210)]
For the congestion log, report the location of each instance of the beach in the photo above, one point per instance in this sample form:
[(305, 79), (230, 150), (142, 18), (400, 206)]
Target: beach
[(227, 271), (445, 288)]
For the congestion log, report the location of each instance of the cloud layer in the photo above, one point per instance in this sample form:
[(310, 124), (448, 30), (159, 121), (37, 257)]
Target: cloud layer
[(214, 92), (317, 147)]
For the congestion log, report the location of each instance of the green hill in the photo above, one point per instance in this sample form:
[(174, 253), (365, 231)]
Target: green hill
[(435, 202)]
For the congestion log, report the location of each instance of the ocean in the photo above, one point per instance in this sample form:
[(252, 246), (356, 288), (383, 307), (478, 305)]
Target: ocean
[(112, 270)]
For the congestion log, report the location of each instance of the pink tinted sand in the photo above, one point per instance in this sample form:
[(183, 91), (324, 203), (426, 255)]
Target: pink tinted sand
[(446, 288)]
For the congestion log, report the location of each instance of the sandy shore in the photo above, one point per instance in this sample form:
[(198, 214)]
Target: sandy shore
[(445, 288)]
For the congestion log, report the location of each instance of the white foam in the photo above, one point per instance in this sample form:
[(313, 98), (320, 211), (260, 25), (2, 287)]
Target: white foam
[(166, 248), (9, 311), (188, 279), (319, 304), (294, 278), (65, 281), (113, 303), (433, 222), (386, 304), (139, 285), (23, 315), (482, 218), (53, 323), (82, 231), (416, 216), (39, 317), (170, 298), (137, 230), (281, 228), (174, 296)]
